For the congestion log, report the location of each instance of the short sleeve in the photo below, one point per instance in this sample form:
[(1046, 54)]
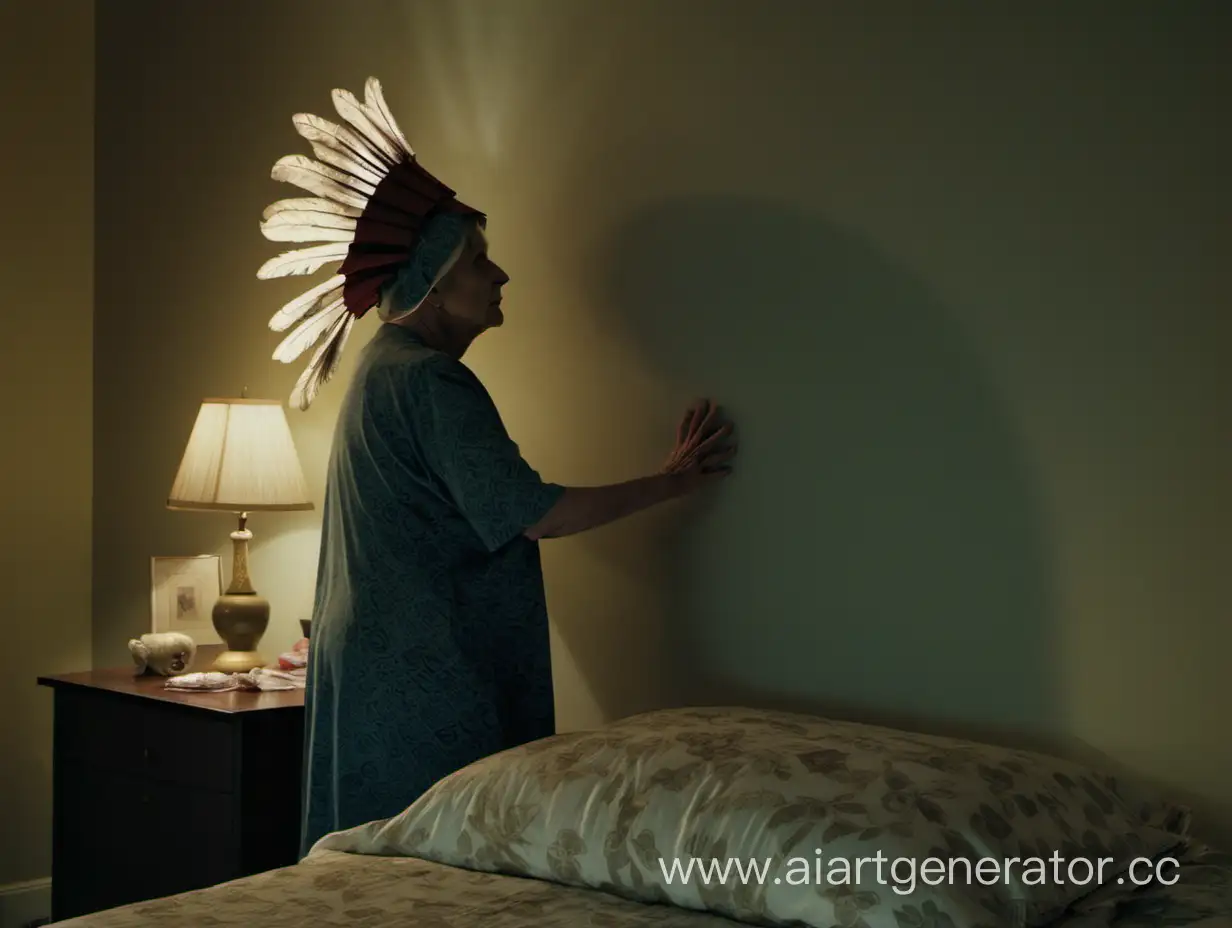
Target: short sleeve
[(468, 448)]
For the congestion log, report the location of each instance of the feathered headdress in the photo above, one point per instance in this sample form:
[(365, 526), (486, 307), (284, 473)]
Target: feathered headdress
[(371, 202)]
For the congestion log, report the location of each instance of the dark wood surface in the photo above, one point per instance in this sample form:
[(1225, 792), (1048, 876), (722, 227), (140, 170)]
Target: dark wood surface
[(124, 681), (158, 792)]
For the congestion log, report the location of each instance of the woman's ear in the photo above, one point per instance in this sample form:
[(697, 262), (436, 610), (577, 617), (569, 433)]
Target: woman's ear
[(433, 299)]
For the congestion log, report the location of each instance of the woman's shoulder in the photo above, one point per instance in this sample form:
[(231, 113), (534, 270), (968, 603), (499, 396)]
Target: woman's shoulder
[(437, 369), (394, 351), (408, 365)]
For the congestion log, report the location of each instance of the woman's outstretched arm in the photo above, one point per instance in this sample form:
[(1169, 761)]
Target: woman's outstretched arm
[(580, 509), (699, 458)]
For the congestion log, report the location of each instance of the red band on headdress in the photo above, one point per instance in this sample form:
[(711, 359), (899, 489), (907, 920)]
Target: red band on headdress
[(389, 228)]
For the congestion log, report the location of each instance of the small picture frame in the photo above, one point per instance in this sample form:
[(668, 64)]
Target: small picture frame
[(183, 591)]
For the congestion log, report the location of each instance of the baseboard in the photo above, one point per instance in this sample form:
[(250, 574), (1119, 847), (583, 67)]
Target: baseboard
[(24, 903)]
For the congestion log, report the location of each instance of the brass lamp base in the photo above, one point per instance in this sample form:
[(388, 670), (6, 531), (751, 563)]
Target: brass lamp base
[(240, 615), (237, 662), (240, 620)]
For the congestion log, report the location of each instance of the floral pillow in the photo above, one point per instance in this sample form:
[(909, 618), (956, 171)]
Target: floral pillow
[(776, 818)]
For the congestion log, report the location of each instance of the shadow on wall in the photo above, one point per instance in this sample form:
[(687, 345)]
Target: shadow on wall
[(879, 552)]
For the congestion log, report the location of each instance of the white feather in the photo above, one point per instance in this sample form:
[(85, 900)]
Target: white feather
[(378, 123), (315, 204), (305, 231), (374, 99), (330, 173), (303, 260), (345, 162), (319, 179), (308, 304), (323, 364), (352, 111), (316, 129), (307, 333), (309, 217)]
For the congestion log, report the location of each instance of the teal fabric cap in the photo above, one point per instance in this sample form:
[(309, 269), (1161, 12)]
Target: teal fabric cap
[(442, 238)]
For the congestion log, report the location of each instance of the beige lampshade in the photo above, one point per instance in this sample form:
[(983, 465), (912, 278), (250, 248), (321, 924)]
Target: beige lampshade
[(240, 457)]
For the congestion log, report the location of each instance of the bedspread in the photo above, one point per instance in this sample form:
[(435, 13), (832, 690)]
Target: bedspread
[(338, 889)]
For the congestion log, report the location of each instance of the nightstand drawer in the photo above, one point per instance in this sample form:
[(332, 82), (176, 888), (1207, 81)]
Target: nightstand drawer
[(146, 738), (157, 793), (128, 836)]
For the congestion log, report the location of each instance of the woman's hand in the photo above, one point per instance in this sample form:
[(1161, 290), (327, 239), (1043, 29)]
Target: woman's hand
[(702, 449)]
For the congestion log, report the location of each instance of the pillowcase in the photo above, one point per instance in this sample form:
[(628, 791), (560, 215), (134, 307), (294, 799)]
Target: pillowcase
[(778, 818)]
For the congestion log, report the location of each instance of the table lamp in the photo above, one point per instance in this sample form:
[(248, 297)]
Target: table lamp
[(240, 458)]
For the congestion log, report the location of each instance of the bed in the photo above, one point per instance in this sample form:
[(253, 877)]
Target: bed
[(594, 829)]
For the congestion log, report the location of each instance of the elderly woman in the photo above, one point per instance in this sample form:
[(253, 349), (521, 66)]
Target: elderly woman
[(429, 639)]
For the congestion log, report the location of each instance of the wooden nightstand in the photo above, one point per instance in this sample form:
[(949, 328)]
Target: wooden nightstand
[(159, 792)]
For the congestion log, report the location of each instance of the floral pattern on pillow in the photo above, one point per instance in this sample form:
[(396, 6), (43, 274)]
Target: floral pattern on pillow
[(626, 807)]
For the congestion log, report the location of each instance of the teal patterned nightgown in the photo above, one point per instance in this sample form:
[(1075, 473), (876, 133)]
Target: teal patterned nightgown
[(429, 645)]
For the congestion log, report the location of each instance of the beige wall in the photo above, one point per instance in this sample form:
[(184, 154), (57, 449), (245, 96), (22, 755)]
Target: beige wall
[(46, 277), (960, 277)]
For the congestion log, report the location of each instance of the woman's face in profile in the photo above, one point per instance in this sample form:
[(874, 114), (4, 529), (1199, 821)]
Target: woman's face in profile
[(471, 291)]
